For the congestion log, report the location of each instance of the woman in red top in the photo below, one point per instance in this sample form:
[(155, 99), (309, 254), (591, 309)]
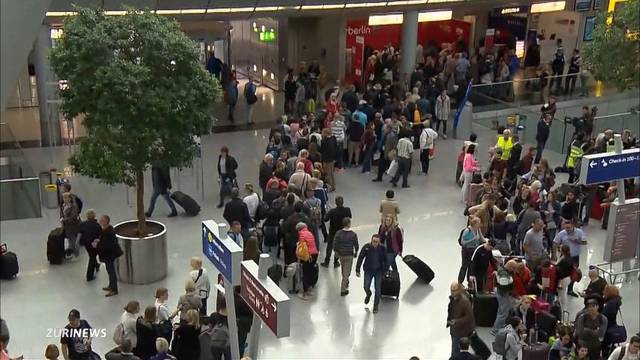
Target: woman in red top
[(332, 104), (367, 143)]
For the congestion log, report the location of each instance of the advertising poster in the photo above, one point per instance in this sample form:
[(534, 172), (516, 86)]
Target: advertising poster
[(583, 5), (589, 25)]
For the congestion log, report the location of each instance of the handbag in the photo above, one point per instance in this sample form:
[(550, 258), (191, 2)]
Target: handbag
[(617, 334)]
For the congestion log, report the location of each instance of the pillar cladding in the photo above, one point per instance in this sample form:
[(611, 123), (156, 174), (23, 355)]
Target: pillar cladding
[(409, 42), (49, 117)]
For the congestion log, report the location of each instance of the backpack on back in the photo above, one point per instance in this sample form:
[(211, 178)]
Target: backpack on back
[(220, 336), (504, 277), (315, 211), (302, 251), (118, 334), (499, 344)]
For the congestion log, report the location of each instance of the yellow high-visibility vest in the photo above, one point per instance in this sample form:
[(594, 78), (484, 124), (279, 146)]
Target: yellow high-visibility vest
[(505, 146), (575, 153)]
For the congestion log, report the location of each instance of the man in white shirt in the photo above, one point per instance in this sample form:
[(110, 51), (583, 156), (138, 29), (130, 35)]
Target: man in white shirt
[(628, 351), (405, 151), (427, 139), (201, 279), (252, 200)]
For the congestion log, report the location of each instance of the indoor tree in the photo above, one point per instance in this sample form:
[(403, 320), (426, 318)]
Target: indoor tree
[(144, 95), (614, 53)]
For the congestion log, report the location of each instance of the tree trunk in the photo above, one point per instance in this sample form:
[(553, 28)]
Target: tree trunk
[(142, 223)]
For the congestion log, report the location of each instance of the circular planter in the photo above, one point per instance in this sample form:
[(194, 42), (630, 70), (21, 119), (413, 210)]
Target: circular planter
[(144, 260)]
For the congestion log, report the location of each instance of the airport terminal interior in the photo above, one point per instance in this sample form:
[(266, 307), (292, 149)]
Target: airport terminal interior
[(250, 47)]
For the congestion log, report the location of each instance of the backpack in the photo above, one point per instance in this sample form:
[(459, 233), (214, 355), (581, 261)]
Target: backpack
[(302, 251), (499, 344), (416, 116), (118, 334), (261, 211), (315, 211), (270, 233), (219, 336), (250, 96)]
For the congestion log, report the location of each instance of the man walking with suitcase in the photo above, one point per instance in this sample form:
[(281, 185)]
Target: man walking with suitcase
[(345, 245), (161, 180), (374, 256)]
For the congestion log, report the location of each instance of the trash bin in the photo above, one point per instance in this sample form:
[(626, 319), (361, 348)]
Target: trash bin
[(50, 196)]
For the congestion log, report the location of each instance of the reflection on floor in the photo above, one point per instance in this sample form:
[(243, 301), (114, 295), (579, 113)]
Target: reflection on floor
[(326, 327)]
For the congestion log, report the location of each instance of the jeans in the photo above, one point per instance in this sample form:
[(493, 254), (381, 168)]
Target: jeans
[(203, 308), (539, 150), (404, 167), (353, 150), (368, 157), (346, 263), (329, 249), (467, 253), (505, 303), (455, 345), (424, 160), (93, 262), (391, 261), (376, 276), (272, 251), (113, 280), (167, 198)]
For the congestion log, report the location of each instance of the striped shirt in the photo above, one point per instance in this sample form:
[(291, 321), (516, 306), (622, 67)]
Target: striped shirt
[(405, 148)]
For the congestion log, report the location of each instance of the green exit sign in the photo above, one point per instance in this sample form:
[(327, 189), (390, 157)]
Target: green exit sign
[(268, 36)]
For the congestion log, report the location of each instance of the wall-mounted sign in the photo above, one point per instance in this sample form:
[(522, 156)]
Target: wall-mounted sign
[(622, 233), (509, 10), (223, 252), (597, 4), (268, 35), (583, 5)]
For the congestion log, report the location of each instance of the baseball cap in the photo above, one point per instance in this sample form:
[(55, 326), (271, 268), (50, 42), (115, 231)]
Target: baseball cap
[(74, 314)]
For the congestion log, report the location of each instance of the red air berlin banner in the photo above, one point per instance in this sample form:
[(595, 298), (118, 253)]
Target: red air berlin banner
[(363, 39)]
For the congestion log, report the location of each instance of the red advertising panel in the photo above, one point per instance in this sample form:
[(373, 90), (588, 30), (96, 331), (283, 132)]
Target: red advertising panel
[(365, 38)]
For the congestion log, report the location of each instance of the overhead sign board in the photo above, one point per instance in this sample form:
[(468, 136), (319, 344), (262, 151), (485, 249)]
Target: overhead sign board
[(623, 231), (266, 299), (223, 252), (605, 167)]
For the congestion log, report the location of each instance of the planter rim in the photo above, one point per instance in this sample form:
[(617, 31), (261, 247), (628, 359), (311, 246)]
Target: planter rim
[(161, 233)]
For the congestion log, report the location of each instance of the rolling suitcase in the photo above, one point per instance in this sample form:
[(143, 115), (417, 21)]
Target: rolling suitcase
[(537, 351), (55, 246), (485, 309), (275, 273), (547, 324), (8, 265), (185, 201), (418, 266), (391, 284)]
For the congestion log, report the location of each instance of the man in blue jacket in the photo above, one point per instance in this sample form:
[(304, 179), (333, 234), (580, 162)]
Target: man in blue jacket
[(374, 257)]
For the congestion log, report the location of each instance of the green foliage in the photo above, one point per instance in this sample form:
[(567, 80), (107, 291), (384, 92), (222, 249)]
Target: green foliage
[(614, 53), (138, 83)]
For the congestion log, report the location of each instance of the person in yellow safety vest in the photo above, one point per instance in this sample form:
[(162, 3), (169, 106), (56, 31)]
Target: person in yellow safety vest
[(576, 151), (505, 143)]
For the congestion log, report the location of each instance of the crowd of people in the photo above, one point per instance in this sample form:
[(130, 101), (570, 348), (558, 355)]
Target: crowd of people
[(521, 246)]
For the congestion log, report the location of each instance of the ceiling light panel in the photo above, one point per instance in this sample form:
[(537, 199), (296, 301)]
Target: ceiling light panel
[(386, 19), (548, 6)]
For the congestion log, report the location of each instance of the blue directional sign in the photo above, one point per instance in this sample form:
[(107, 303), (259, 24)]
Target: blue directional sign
[(223, 253), (600, 168)]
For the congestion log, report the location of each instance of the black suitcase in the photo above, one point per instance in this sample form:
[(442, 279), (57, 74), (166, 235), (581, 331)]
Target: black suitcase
[(547, 324), (485, 309), (55, 246), (8, 265), (539, 351), (479, 347), (418, 266), (185, 201), (391, 284)]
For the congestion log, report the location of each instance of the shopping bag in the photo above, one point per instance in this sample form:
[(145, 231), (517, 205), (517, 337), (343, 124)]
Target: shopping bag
[(393, 168)]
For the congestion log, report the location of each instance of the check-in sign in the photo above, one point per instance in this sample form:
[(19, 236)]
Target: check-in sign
[(266, 299), (223, 252), (600, 168)]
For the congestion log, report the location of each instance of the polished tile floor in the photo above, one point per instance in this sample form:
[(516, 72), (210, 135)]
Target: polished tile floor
[(326, 327)]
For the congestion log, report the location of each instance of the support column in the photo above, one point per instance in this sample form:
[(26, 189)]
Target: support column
[(49, 118), (409, 42)]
